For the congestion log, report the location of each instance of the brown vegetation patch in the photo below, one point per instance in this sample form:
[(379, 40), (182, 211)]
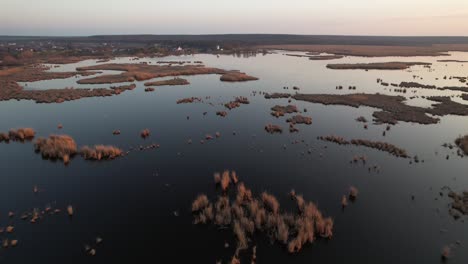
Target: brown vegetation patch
[(316, 56), (277, 95), (56, 147), (21, 134), (394, 108), (188, 100), (353, 193), (171, 82), (273, 129), (145, 133), (446, 106), (459, 61), (374, 51), (326, 57), (279, 110), (37, 73), (71, 59), (247, 215), (300, 119), (382, 146), (425, 86), (100, 152), (11, 90), (221, 113), (237, 102), (375, 66), (361, 119), (236, 76), (416, 85), (142, 72)]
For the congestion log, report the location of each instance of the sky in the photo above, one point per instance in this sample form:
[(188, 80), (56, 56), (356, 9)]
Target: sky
[(315, 17)]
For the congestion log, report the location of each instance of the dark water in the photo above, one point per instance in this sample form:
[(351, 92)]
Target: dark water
[(130, 202)]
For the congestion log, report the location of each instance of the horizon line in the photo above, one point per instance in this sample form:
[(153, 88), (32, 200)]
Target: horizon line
[(239, 34)]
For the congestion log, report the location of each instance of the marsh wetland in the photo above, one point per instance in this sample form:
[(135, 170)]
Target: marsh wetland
[(346, 158)]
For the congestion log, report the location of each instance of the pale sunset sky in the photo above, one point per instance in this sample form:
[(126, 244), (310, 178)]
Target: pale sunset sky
[(331, 17)]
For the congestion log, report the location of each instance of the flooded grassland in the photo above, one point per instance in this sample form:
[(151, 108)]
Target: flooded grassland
[(116, 160)]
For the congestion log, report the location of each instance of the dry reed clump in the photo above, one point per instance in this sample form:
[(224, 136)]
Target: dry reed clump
[(273, 129), (145, 133), (361, 119), (462, 143), (237, 102), (382, 146), (4, 137), (204, 208), (353, 193), (225, 180), (200, 203), (344, 201), (188, 100), (56, 147), (221, 113), (100, 152), (279, 110), (20, 134), (299, 119), (270, 202), (217, 178), (459, 203), (247, 215), (446, 253)]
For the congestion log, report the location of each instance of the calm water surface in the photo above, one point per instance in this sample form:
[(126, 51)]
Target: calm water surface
[(130, 202)]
